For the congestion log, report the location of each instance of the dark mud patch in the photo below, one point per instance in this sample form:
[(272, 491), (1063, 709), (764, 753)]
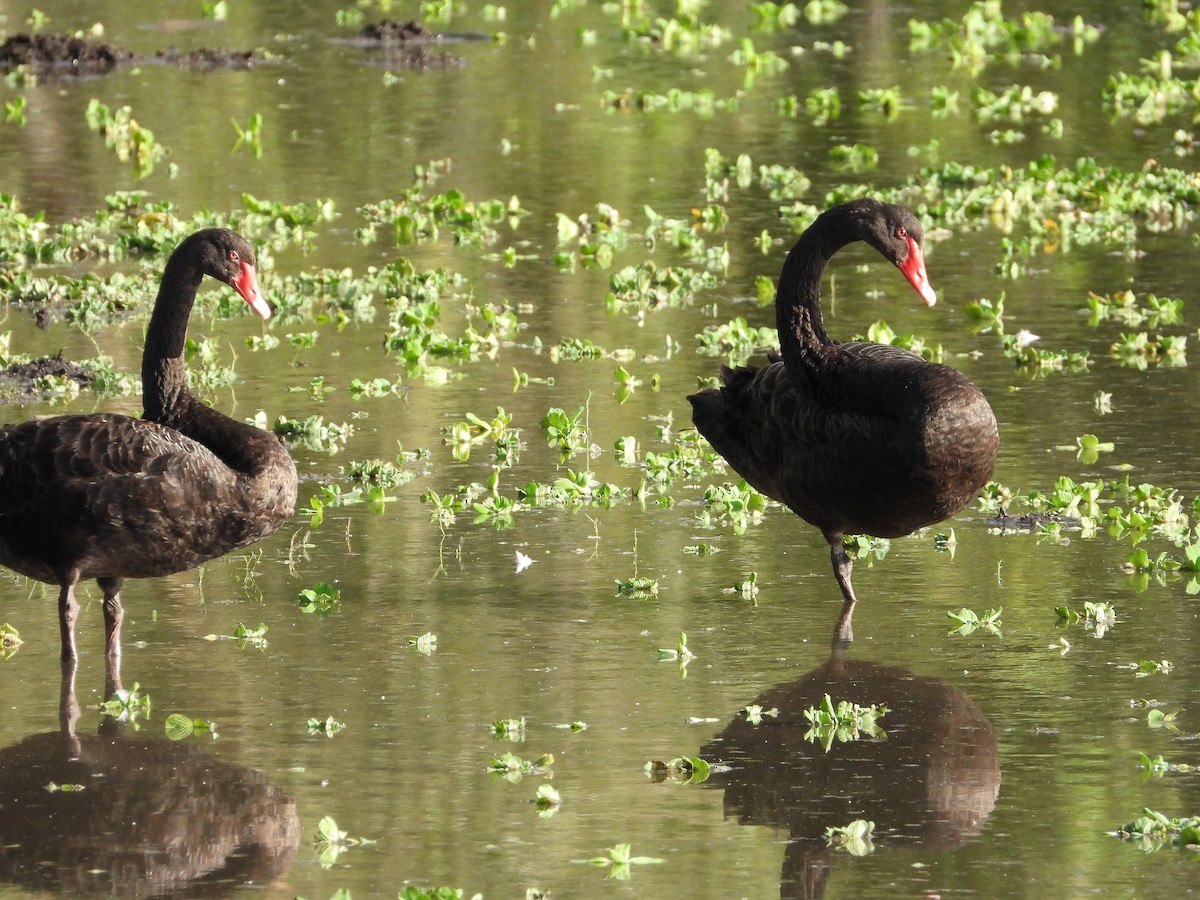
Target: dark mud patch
[(1030, 521), (34, 380), (64, 54), (406, 45), (206, 59), (392, 32), (60, 53)]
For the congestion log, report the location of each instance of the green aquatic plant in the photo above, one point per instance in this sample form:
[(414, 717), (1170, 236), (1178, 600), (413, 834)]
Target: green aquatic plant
[(331, 842), (620, 859), (329, 726), (1154, 830), (1158, 766), (854, 838), (128, 705), (1088, 448), (887, 101), (755, 714), (1150, 667), (415, 217), (566, 431), (10, 640), (509, 729), (412, 892), (1099, 616), (425, 644), (130, 141), (843, 722), (180, 727), (249, 137), (853, 157), (680, 770), (321, 599), (639, 587), (14, 111), (513, 768), (970, 621)]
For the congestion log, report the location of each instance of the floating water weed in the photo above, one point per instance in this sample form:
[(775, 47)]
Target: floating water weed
[(1150, 667), (547, 800), (853, 157), (747, 587), (1098, 616), (639, 587), (180, 727), (969, 621), (10, 640), (620, 859), (509, 729), (854, 838), (513, 768), (844, 721), (251, 136), (328, 726), (680, 770), (1089, 447), (314, 433), (738, 504), (1154, 830), (1123, 307), (321, 599), (425, 644), (565, 430), (1156, 718), (122, 134), (737, 339), (412, 892), (332, 842), (14, 111), (129, 706), (754, 713), (1157, 766)]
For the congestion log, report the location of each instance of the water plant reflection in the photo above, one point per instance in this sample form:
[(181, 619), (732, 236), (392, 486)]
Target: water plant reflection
[(932, 784), (131, 815)]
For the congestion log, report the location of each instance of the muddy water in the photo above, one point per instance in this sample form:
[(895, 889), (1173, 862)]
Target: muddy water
[(1007, 759)]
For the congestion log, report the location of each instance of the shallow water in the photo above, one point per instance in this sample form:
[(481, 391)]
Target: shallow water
[(1007, 762)]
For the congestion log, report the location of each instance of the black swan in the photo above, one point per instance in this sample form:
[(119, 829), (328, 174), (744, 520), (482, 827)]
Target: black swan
[(855, 438), (110, 497)]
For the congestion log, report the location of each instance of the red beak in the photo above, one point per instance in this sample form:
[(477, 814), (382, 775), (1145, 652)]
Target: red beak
[(913, 268), (246, 284)]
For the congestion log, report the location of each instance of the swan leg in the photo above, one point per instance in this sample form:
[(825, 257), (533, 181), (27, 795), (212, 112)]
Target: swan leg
[(114, 614), (68, 612), (843, 631), (842, 567)]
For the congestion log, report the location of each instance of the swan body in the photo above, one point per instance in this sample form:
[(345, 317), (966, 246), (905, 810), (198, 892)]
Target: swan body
[(110, 496), (858, 437)]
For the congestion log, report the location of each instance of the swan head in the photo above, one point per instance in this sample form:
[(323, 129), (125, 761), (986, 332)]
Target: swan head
[(897, 234), (228, 257)]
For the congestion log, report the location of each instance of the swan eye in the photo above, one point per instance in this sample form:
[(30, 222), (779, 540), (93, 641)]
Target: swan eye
[(901, 233), (233, 256)]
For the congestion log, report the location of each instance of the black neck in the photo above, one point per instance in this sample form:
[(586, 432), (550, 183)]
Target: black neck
[(798, 297), (164, 374)]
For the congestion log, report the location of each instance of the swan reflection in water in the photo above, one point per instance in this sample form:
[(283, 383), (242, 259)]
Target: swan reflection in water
[(155, 817), (931, 784)]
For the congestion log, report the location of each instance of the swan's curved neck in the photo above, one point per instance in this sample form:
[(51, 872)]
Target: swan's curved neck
[(165, 391), (798, 296)]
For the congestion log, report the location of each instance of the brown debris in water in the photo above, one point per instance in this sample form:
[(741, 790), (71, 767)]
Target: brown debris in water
[(390, 31), (18, 383), (206, 58), (60, 52), (64, 53)]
